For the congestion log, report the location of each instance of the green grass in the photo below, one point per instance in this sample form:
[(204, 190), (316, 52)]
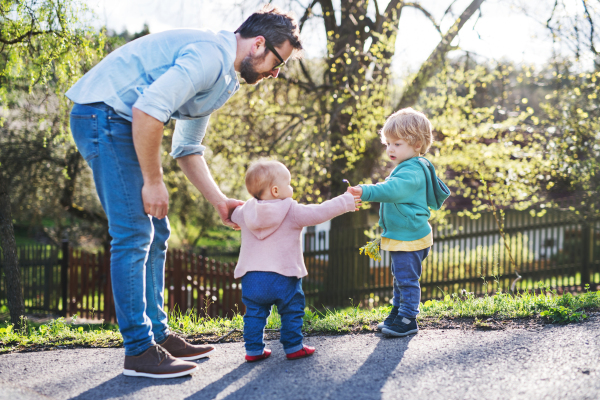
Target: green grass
[(58, 333), (328, 321), (61, 333), (506, 306)]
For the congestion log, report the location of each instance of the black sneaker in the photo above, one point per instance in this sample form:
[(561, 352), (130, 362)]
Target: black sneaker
[(402, 326), (389, 320)]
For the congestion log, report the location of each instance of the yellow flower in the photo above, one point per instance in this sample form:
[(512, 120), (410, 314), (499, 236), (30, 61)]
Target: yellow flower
[(371, 249)]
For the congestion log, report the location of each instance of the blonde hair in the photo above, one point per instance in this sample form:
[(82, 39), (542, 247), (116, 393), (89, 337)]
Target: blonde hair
[(409, 125), (261, 175)]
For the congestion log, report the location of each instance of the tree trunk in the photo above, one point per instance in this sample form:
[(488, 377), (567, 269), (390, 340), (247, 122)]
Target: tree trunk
[(348, 272), (14, 291)]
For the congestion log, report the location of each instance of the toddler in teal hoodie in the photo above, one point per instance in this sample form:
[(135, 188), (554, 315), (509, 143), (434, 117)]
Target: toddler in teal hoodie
[(406, 197)]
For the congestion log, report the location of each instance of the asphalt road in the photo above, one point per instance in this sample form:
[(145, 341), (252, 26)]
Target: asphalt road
[(550, 362)]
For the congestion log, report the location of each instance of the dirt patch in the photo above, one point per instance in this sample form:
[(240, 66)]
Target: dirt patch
[(470, 324), (485, 323)]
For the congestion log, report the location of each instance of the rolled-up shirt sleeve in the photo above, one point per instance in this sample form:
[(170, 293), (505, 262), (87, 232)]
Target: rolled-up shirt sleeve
[(187, 137), (190, 74)]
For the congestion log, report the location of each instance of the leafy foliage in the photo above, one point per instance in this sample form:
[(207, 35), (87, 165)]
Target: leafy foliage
[(571, 121), (43, 42), (532, 135), (46, 47), (563, 315)]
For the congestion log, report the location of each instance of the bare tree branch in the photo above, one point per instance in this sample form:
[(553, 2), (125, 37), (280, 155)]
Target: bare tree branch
[(377, 16), (392, 5), (328, 15), (306, 74), (589, 18), (307, 13), (548, 25), (73, 167), (24, 36), (427, 14), (436, 59), (448, 10)]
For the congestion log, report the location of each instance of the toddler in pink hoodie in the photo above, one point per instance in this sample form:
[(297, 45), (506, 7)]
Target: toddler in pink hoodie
[(271, 264)]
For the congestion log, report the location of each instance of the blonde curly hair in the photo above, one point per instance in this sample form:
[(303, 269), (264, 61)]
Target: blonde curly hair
[(409, 125)]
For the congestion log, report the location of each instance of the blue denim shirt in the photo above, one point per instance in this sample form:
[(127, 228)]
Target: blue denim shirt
[(184, 74)]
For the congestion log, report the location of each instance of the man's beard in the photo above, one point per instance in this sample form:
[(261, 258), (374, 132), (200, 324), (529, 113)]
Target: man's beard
[(248, 71)]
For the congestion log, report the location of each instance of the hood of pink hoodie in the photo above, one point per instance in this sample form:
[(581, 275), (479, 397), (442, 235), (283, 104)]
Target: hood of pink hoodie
[(263, 217)]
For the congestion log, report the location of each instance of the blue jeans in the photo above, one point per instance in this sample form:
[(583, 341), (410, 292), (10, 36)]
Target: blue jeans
[(139, 241), (406, 268), (260, 290)]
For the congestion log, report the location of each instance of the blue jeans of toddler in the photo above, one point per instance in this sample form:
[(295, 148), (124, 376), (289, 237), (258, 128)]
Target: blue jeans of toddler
[(407, 268), (262, 290)]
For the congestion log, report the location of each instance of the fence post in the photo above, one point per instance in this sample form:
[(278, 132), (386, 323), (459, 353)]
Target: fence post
[(64, 278), (109, 302), (177, 281), (587, 237), (48, 266)]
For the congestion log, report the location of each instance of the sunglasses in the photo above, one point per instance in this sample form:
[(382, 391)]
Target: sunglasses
[(270, 47)]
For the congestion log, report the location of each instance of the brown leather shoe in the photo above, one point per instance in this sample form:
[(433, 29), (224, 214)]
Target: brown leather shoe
[(183, 350), (156, 362)]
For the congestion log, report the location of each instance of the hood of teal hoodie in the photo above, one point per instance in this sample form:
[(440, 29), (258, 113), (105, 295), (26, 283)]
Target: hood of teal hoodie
[(437, 191)]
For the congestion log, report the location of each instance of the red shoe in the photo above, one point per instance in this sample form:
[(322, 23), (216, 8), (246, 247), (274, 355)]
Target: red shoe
[(266, 353), (305, 352)]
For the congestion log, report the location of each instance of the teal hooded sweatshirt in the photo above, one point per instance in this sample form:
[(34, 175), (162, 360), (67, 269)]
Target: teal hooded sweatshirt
[(406, 197)]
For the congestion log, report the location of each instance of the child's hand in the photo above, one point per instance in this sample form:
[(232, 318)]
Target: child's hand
[(357, 203), (355, 191)]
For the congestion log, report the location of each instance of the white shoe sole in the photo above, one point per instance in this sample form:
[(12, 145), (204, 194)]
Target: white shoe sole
[(131, 372), (207, 354), (381, 325), (390, 332)]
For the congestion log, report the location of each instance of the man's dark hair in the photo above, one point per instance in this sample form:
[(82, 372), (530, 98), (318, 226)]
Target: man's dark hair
[(275, 26)]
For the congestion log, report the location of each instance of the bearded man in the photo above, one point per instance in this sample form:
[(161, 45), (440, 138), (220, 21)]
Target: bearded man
[(121, 106)]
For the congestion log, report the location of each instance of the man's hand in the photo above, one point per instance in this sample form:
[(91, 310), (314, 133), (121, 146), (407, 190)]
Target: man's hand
[(355, 191), (156, 199), (225, 209), (195, 168), (147, 134)]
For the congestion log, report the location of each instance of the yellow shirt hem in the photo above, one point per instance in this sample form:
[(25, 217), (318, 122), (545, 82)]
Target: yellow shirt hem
[(413, 245)]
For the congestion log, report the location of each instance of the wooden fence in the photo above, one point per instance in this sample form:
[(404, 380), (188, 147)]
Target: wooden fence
[(556, 250), (205, 285), (80, 283)]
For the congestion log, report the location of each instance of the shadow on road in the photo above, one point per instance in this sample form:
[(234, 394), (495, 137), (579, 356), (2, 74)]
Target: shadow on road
[(310, 378), (211, 391), (368, 380), (122, 386)]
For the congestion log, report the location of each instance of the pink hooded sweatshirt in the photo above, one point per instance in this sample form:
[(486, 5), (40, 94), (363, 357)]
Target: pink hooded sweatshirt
[(271, 232)]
